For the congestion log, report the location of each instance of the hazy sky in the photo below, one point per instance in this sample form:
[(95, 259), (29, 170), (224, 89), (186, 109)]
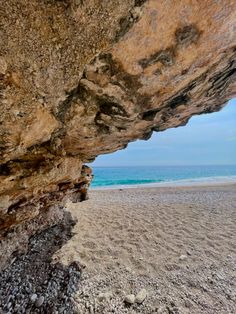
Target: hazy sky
[(206, 139)]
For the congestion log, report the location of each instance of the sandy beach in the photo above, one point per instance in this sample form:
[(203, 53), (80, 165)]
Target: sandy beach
[(179, 244)]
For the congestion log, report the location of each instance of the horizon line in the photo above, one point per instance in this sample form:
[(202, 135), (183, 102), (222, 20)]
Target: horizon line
[(170, 165)]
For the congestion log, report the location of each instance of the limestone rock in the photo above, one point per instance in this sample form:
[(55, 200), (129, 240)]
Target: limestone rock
[(84, 78), (105, 296), (183, 257), (33, 297), (39, 301), (141, 296), (130, 298)]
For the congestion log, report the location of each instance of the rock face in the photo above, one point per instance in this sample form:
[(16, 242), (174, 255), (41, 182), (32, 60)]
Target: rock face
[(83, 78)]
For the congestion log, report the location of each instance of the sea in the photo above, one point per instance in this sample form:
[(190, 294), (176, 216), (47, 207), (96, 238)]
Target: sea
[(122, 177)]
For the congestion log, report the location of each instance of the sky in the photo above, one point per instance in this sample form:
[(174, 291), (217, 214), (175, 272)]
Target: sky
[(208, 139)]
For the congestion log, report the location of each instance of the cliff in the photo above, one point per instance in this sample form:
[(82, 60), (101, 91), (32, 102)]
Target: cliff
[(84, 78)]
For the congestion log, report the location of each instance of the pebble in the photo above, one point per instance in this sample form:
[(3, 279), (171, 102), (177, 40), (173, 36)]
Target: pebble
[(161, 310), (141, 296), (130, 298), (105, 296), (188, 303), (39, 301), (183, 257), (9, 305), (33, 297)]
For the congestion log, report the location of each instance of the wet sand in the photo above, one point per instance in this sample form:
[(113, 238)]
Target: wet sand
[(177, 243)]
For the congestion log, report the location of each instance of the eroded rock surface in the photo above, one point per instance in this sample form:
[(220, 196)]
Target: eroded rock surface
[(83, 78)]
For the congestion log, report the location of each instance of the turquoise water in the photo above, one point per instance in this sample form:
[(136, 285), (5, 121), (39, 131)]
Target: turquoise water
[(125, 176)]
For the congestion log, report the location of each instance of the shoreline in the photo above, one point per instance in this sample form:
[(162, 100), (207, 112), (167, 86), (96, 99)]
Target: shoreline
[(204, 181)]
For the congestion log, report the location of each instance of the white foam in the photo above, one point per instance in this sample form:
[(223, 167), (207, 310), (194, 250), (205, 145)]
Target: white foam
[(217, 180)]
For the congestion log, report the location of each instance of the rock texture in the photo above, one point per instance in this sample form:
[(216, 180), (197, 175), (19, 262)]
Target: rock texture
[(83, 78)]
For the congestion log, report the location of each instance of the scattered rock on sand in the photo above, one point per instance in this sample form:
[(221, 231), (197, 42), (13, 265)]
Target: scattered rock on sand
[(183, 257), (130, 298), (141, 296), (105, 296), (91, 309), (162, 310), (33, 297), (188, 303)]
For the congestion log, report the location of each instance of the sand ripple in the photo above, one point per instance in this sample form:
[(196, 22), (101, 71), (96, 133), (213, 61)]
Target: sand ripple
[(177, 243)]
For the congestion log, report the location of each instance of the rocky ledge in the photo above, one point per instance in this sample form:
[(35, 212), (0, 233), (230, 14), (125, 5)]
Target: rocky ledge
[(83, 78)]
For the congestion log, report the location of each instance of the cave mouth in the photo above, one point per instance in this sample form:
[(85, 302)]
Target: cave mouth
[(201, 150)]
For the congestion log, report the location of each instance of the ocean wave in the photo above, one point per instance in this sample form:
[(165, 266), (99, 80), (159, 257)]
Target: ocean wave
[(162, 183)]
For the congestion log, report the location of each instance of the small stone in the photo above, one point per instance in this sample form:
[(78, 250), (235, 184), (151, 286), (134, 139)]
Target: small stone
[(183, 257), (9, 305), (105, 296), (188, 303), (39, 301), (33, 297), (162, 310), (141, 296), (130, 298)]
